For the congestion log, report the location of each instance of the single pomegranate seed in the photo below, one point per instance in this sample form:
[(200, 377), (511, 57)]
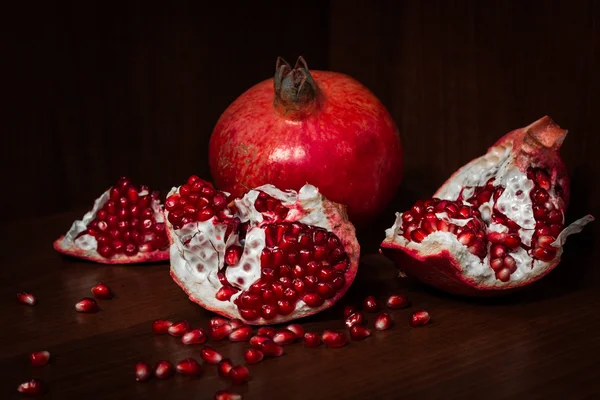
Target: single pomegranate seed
[(87, 305), (271, 349), (143, 372), (216, 321), (312, 339), (227, 395), (210, 355), (284, 337), (164, 369), (383, 322), (239, 374), (237, 323), (179, 328), (195, 336), (219, 332), (297, 329), (189, 367), (161, 326), (242, 334), (224, 367), (359, 332), (33, 387), (39, 358), (334, 339), (358, 318), (370, 304), (26, 298), (349, 310), (257, 341), (101, 291), (419, 318), (397, 301), (266, 331), (313, 300), (253, 356), (233, 255)]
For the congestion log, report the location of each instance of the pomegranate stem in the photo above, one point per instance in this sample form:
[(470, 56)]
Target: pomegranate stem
[(296, 92)]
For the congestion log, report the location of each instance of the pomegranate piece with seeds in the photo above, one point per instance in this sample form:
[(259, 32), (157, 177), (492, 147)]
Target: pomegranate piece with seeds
[(497, 224), (269, 257), (125, 226)]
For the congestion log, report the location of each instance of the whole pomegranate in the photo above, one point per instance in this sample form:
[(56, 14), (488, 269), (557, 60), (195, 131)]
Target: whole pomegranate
[(497, 223), (318, 127), (125, 225), (268, 257)]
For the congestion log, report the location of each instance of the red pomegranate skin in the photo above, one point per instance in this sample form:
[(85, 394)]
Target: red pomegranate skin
[(344, 142)]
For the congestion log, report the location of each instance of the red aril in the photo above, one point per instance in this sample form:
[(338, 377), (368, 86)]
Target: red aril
[(497, 224), (224, 367), (164, 369), (359, 332), (39, 358), (284, 337), (239, 374), (258, 340), (101, 291), (334, 339), (296, 253), (271, 349), (143, 372), (274, 134), (383, 322), (161, 326), (125, 226), (195, 336), (210, 355), (419, 318), (242, 334), (189, 367), (370, 304), (216, 321), (266, 331), (26, 298), (312, 339), (253, 356), (179, 329), (357, 318), (397, 301), (297, 329), (227, 395), (33, 387), (87, 305)]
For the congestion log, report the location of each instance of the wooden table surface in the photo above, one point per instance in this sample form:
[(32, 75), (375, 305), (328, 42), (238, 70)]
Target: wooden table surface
[(540, 343)]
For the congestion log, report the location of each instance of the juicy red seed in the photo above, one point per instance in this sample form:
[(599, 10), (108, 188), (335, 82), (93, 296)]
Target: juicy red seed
[(248, 315), (312, 339), (258, 340), (357, 318), (397, 301), (105, 251), (284, 337), (544, 254), (161, 326), (370, 304), (285, 307), (210, 355), (236, 324), (267, 274), (239, 374), (26, 299), (266, 331), (189, 367), (195, 336), (220, 332), (172, 202), (242, 334), (87, 305), (349, 310), (179, 328), (216, 321), (39, 358), (164, 369), (383, 321), (224, 367), (268, 296), (290, 294), (227, 395), (225, 293), (268, 312), (271, 349), (299, 286), (205, 214), (296, 329), (313, 300), (102, 291), (192, 179), (233, 254), (334, 339), (418, 235), (419, 318), (250, 300), (143, 371), (359, 332), (33, 387), (253, 356)]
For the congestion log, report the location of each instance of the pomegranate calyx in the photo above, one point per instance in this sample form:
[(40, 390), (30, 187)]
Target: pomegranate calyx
[(295, 89)]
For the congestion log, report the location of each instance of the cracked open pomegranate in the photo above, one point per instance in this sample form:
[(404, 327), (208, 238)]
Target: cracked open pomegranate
[(320, 127), (125, 225), (268, 257), (497, 223)]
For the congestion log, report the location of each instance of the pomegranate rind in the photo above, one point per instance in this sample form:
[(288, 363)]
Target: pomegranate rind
[(313, 209), (84, 247)]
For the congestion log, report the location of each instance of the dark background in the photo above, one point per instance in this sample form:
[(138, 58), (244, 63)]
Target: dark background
[(95, 90)]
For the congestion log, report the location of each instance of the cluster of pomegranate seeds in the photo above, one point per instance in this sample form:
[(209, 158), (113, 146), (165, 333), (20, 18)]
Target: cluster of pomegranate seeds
[(268, 204), (197, 200), (126, 223)]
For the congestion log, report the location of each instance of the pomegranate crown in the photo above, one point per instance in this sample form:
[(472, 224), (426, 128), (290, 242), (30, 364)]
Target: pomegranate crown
[(295, 88)]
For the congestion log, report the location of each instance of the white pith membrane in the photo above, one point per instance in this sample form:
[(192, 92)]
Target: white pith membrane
[(514, 202), (198, 248)]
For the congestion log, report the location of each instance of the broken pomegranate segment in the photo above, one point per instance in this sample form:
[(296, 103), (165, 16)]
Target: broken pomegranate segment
[(125, 226), (266, 258), (497, 224)]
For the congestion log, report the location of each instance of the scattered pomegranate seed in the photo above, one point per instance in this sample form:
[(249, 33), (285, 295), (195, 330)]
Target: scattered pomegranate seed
[(284, 337), (179, 328), (266, 331), (370, 304), (87, 305), (419, 318), (216, 321), (236, 324), (383, 322), (164, 369), (33, 387), (397, 301), (239, 374), (143, 372), (224, 367), (227, 395), (357, 318), (26, 298), (359, 332), (334, 339), (312, 339), (189, 367), (210, 355), (349, 310), (161, 326), (101, 291), (253, 356), (271, 349), (297, 329), (242, 334), (220, 332), (257, 341), (39, 358), (195, 336)]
